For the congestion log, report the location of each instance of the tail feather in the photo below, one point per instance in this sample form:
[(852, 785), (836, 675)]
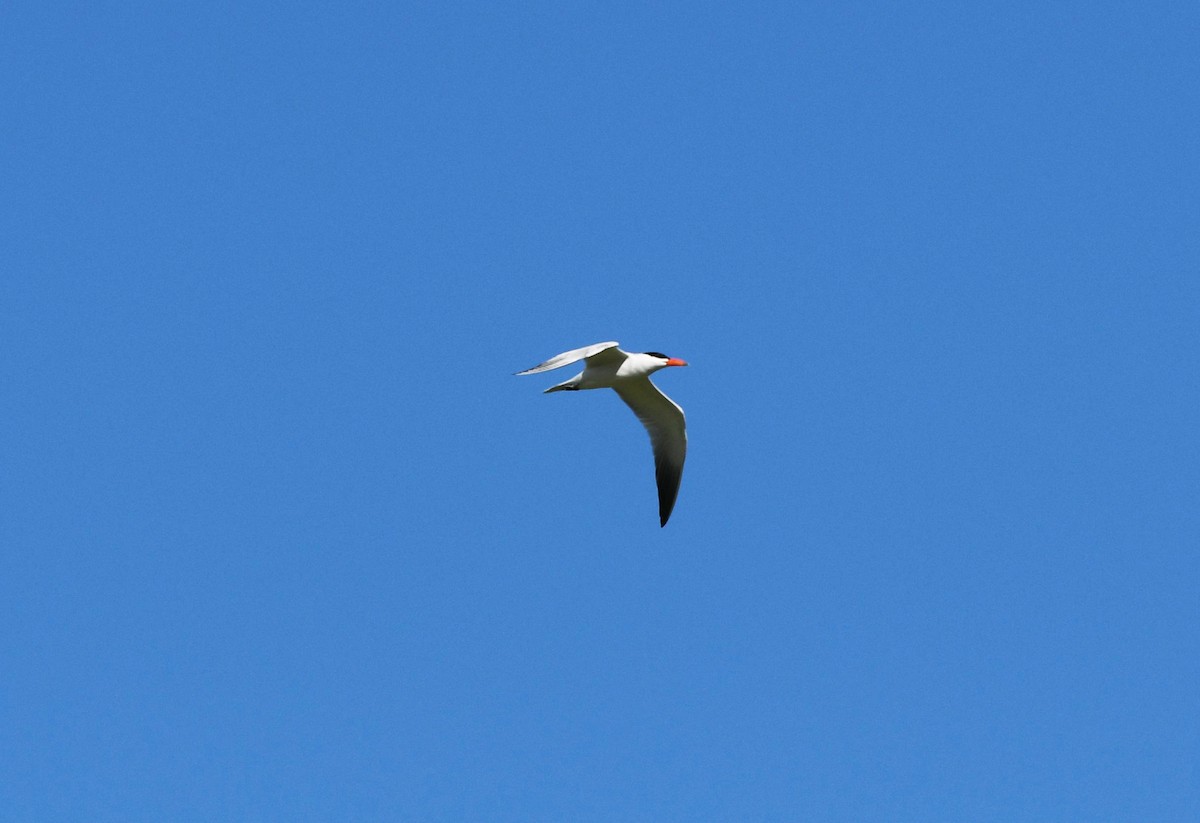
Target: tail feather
[(567, 385), (562, 387)]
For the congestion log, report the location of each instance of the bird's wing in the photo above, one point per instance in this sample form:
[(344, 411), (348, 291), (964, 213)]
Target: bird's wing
[(668, 435), (568, 357)]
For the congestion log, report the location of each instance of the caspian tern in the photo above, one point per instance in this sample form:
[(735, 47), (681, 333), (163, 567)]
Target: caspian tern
[(628, 374)]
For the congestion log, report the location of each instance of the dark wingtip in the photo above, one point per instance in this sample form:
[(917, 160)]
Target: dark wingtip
[(665, 507)]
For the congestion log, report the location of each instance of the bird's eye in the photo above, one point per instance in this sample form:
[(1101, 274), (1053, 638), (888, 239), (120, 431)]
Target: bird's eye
[(658, 354)]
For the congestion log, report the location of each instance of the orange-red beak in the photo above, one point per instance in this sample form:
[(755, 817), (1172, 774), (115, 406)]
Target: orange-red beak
[(675, 361)]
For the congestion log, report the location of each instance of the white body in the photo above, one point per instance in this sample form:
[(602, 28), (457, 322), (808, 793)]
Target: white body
[(610, 372)]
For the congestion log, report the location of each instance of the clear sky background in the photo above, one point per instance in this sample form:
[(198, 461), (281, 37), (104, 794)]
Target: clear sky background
[(285, 540)]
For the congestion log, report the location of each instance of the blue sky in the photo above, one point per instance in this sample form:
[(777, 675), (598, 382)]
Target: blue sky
[(284, 539)]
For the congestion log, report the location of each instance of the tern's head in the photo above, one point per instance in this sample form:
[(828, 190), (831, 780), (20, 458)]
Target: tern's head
[(666, 361)]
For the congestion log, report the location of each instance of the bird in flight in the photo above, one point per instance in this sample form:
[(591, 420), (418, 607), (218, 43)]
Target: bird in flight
[(628, 374)]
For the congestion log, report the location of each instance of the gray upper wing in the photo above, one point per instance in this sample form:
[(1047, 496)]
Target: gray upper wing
[(568, 357)]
